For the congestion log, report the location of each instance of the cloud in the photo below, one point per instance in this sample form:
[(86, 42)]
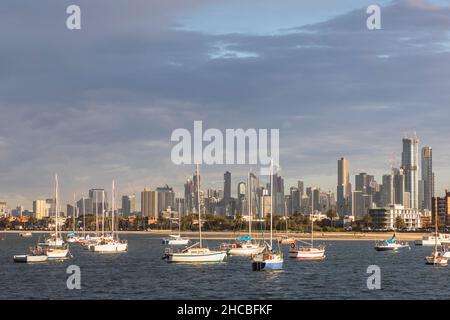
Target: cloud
[(101, 103)]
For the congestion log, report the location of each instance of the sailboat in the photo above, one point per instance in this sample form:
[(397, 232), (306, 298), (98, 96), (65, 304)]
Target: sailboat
[(246, 246), (176, 240), (308, 252), (36, 254), (390, 244), (269, 259), (195, 253), (111, 243), (55, 247), (286, 239), (73, 237), (438, 257)]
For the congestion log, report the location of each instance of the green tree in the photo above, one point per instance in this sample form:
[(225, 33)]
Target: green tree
[(399, 223)]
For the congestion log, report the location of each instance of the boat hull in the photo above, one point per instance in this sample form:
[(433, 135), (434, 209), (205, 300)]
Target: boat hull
[(176, 242), (213, 256), (318, 254), (30, 258), (109, 248), (57, 253), (267, 265), (246, 252), (440, 261)]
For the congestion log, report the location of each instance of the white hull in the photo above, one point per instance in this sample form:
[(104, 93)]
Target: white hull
[(111, 247), (246, 250), (197, 255), (176, 242), (430, 240), (30, 258), (57, 253), (307, 253)]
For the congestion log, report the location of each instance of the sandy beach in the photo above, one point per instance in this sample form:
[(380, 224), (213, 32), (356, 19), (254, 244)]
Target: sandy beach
[(225, 235)]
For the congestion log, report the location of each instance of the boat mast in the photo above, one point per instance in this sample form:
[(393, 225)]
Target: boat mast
[(179, 218), (73, 212), (84, 219), (113, 204), (435, 233), (312, 221), (249, 206), (56, 207), (271, 201), (103, 213), (198, 204), (96, 215)]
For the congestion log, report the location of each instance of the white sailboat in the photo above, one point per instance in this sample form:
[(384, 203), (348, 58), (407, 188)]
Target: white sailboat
[(111, 243), (269, 259), (308, 252), (286, 239), (246, 246), (195, 253), (55, 247), (176, 239), (438, 257)]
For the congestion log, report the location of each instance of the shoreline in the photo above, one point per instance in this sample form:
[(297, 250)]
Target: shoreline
[(228, 235)]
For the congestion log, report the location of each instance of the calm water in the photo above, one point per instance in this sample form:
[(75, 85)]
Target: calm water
[(142, 274)]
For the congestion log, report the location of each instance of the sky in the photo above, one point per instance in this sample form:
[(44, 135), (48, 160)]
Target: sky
[(100, 103)]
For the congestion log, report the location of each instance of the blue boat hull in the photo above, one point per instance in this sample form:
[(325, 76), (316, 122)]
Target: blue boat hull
[(261, 266)]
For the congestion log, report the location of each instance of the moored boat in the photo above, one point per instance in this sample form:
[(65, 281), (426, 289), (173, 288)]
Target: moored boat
[(195, 253), (390, 244), (36, 255)]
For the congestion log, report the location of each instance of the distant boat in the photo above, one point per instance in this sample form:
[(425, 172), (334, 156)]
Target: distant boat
[(429, 240), (437, 257), (246, 246), (37, 254), (195, 253), (286, 239), (308, 252), (55, 247), (269, 259), (26, 234), (112, 243), (176, 240), (390, 244)]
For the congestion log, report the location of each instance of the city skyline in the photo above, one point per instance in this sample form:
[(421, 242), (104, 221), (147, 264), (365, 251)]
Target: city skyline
[(332, 87)]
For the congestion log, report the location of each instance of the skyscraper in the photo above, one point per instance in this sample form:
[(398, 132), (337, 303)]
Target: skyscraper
[(128, 205), (39, 209), (344, 187), (149, 205), (410, 166), (388, 191), (427, 177), (226, 187)]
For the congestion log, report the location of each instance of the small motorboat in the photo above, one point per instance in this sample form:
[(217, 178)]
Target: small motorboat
[(36, 254), (26, 234), (175, 240), (285, 239), (391, 244)]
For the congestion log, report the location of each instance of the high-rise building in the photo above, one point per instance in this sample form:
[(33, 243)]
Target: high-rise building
[(278, 195), (85, 206), (388, 191), (427, 177), (99, 200), (295, 200), (344, 187), (441, 206), (227, 187), (39, 209), (188, 196), (128, 205), (149, 205), (411, 167), (166, 198), (399, 185)]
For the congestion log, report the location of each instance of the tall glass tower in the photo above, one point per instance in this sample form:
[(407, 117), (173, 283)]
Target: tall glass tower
[(410, 167)]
